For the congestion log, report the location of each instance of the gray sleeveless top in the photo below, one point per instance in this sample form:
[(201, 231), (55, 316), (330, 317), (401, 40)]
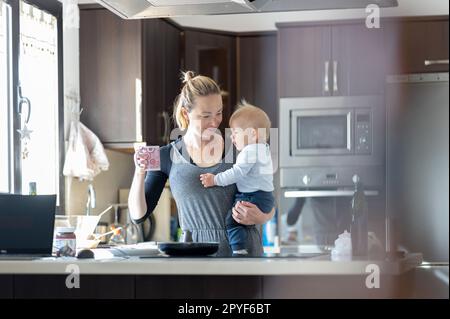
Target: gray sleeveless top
[(201, 210)]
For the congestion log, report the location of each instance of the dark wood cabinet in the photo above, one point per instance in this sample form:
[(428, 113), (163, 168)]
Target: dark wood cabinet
[(304, 61), (245, 67), (91, 287), (324, 60), (110, 75), (162, 69), (129, 72), (346, 58), (130, 69), (6, 287), (358, 63), (39, 286), (257, 72), (213, 55), (412, 42)]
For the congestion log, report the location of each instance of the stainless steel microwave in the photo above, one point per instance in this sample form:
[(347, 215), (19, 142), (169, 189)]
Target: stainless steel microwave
[(331, 134)]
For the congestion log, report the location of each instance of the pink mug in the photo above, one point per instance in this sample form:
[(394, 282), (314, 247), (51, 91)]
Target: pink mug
[(149, 158)]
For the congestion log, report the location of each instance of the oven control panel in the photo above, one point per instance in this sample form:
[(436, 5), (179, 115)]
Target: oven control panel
[(330, 177)]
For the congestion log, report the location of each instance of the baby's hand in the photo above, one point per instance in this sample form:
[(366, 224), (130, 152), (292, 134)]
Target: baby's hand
[(207, 179)]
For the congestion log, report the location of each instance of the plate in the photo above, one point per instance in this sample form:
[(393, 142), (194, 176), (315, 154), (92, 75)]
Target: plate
[(188, 249)]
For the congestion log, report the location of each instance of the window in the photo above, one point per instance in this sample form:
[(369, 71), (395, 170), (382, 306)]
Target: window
[(31, 134), (5, 81)]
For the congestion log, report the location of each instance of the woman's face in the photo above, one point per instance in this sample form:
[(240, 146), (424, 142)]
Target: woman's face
[(206, 115)]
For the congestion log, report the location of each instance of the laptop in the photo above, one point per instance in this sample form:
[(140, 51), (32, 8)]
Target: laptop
[(26, 226)]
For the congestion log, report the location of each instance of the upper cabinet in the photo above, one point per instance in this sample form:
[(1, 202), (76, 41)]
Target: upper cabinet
[(304, 60), (129, 72), (162, 65), (357, 66), (213, 55), (257, 72), (346, 58), (324, 60), (244, 65), (130, 69), (111, 76), (417, 45)]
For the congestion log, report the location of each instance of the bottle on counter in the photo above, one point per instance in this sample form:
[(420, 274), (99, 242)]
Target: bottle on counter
[(270, 239), (32, 188), (358, 228)]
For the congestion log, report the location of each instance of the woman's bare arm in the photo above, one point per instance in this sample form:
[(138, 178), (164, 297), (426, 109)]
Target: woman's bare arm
[(136, 198)]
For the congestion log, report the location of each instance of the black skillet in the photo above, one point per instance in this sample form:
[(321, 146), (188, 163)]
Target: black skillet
[(188, 248)]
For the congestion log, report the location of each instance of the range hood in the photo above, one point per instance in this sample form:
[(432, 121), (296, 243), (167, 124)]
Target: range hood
[(140, 9)]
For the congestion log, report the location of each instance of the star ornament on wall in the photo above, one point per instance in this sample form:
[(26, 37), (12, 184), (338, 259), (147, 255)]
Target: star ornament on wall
[(25, 133)]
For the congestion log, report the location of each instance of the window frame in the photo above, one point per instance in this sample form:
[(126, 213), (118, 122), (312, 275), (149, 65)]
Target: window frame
[(53, 7)]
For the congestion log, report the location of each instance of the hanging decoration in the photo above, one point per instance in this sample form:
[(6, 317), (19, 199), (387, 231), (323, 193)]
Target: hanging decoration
[(24, 132), (25, 137), (35, 36)]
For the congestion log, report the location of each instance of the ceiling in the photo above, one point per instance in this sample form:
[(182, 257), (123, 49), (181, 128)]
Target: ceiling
[(266, 21)]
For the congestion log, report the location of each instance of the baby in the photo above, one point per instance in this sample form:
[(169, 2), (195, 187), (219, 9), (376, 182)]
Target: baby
[(252, 173)]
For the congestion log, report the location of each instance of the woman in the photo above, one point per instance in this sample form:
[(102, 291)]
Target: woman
[(201, 211)]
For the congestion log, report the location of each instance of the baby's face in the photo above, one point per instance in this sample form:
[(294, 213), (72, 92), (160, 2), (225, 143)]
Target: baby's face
[(242, 137)]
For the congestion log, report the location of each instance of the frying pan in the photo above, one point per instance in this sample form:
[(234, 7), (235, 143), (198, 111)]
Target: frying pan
[(188, 248)]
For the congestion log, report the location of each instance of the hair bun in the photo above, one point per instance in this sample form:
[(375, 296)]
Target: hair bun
[(187, 76)]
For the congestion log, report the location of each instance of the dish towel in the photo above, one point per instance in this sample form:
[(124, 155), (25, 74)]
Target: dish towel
[(85, 156)]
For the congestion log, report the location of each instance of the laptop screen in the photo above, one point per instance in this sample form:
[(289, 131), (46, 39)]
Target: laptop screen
[(26, 224)]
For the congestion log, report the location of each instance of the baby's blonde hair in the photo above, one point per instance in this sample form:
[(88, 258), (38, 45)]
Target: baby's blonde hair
[(194, 86), (250, 116)]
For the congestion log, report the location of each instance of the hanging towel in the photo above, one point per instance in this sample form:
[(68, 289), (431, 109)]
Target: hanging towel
[(85, 156)]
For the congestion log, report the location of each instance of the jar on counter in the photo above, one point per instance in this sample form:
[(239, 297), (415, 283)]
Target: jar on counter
[(65, 243)]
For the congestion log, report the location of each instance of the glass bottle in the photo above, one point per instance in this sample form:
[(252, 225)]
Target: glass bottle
[(32, 188), (117, 238), (358, 228)]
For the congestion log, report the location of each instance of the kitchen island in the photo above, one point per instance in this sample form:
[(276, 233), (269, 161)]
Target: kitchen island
[(163, 277)]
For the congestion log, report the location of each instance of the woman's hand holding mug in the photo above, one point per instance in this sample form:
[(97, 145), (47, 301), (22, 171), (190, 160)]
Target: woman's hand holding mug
[(147, 158)]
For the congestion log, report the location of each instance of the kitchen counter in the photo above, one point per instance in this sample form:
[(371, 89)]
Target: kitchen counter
[(318, 265), (181, 278)]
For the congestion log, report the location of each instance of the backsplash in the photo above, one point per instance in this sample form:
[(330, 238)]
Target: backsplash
[(106, 185)]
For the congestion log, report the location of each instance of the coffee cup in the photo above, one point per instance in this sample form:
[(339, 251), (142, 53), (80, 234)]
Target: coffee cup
[(147, 158)]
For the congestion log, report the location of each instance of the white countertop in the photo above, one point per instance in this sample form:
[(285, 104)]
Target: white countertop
[(319, 265)]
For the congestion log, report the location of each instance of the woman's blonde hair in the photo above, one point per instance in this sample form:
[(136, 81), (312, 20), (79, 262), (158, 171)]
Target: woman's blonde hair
[(194, 86)]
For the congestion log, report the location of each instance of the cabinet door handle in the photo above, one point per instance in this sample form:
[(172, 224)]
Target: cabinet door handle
[(432, 62), (166, 126), (326, 88), (166, 119), (335, 85)]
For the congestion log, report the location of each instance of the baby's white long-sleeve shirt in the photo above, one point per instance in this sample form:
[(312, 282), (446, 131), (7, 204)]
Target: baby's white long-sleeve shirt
[(252, 172)]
